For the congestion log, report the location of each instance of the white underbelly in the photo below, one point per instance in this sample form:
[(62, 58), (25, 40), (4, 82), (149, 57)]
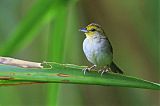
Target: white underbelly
[(98, 52)]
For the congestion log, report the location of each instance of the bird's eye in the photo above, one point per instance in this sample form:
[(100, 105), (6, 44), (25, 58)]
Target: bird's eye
[(93, 29)]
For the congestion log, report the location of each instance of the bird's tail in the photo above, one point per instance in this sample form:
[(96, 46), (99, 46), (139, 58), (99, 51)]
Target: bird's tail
[(115, 68)]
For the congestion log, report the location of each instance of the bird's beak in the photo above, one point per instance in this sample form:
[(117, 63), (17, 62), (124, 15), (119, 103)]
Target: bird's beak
[(83, 30)]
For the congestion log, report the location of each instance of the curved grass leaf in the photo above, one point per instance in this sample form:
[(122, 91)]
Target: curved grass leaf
[(12, 83), (65, 73), (32, 22), (56, 44)]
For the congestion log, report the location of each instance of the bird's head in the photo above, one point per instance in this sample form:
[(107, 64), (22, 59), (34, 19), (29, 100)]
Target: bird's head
[(92, 30)]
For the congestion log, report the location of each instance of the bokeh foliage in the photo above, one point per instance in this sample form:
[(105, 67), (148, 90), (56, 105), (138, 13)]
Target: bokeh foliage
[(32, 29)]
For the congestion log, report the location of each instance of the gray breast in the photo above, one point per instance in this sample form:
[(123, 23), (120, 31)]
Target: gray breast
[(98, 51)]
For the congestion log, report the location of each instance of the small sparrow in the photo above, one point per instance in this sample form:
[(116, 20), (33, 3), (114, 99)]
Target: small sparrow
[(98, 49)]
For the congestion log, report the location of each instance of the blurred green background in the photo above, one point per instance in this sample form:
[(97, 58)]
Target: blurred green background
[(47, 30)]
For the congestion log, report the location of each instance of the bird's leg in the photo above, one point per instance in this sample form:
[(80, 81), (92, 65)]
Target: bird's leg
[(105, 69), (88, 69)]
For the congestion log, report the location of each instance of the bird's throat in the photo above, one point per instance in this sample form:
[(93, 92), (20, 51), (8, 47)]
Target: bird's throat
[(89, 34)]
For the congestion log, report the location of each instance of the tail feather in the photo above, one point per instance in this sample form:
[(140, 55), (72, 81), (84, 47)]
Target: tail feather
[(115, 68)]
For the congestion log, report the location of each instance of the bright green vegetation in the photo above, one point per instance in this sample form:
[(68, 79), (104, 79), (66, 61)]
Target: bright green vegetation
[(63, 73)]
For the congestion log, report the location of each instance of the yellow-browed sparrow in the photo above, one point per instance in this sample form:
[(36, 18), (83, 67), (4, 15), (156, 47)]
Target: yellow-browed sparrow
[(98, 49)]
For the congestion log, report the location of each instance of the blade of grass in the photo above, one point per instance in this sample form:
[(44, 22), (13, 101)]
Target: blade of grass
[(56, 44), (11, 83), (64, 73), (24, 34), (27, 29), (72, 40)]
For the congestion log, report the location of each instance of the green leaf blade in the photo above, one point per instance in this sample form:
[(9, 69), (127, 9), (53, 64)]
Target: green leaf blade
[(61, 73), (28, 27)]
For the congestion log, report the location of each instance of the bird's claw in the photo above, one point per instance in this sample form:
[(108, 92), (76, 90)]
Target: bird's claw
[(105, 70), (88, 69), (84, 70)]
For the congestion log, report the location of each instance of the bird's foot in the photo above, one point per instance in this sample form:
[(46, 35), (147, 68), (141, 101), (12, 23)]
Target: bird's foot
[(88, 69), (104, 70)]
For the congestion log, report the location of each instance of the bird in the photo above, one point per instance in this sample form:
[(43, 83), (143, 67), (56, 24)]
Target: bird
[(98, 50)]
